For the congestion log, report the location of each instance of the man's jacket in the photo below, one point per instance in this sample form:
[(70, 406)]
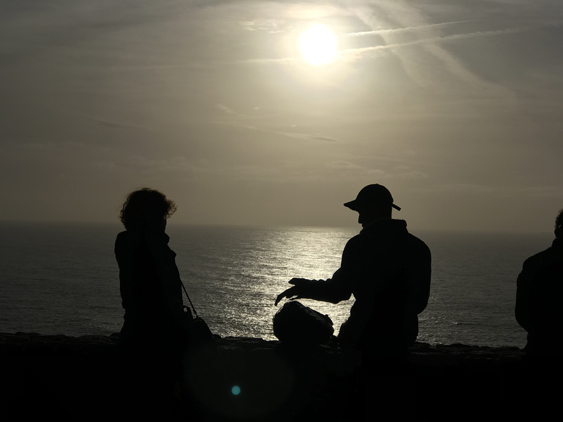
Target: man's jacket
[(388, 271)]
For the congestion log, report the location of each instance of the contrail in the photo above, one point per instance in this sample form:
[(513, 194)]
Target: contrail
[(407, 29), (478, 34), (432, 40)]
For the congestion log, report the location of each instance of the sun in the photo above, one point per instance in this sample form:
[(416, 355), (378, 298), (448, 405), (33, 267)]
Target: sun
[(318, 45)]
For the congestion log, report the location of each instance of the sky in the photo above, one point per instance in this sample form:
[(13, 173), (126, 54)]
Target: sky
[(454, 106)]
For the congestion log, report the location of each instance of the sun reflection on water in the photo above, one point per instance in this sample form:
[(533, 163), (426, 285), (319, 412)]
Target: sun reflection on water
[(236, 278)]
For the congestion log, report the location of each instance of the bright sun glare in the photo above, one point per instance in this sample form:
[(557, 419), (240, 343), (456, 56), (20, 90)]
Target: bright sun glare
[(318, 45)]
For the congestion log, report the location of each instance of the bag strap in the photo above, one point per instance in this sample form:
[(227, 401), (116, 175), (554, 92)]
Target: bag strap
[(188, 296)]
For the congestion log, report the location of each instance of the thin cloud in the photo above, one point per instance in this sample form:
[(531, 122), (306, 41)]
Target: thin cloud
[(242, 120), (351, 171), (412, 175), (406, 172), (282, 60), (230, 111), (542, 191), (307, 136), (343, 165), (111, 124), (462, 188), (296, 135), (507, 191)]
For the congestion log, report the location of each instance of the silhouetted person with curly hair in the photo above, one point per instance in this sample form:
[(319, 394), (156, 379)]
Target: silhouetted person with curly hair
[(539, 297), (154, 333)]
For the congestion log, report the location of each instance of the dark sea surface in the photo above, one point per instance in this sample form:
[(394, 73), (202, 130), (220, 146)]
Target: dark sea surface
[(63, 279)]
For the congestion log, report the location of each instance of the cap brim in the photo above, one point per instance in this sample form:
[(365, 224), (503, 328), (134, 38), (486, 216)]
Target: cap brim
[(353, 205)]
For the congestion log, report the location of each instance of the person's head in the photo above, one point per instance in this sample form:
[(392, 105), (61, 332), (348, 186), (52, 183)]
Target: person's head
[(559, 225), (146, 208), (374, 202)]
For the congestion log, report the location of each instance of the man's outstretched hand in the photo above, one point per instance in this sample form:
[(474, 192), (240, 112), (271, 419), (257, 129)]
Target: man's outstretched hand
[(294, 292)]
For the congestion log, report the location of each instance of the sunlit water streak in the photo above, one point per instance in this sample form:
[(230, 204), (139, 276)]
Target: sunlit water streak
[(63, 278)]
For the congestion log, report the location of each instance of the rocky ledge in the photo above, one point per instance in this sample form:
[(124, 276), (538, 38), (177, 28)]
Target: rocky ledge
[(253, 379)]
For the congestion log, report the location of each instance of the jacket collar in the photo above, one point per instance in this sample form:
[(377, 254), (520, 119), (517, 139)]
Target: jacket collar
[(386, 226)]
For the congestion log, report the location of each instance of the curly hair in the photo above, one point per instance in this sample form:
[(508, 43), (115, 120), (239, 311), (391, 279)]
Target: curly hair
[(145, 204)]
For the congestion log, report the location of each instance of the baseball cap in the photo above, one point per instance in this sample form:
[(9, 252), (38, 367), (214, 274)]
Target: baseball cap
[(372, 194)]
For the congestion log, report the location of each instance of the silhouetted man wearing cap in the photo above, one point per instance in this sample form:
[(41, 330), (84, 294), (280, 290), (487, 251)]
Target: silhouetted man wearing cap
[(387, 269)]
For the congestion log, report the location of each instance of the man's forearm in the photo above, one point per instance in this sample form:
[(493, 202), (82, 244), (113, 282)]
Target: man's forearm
[(324, 290)]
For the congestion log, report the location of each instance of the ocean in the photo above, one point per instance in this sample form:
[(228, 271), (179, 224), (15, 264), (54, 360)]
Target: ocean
[(60, 278)]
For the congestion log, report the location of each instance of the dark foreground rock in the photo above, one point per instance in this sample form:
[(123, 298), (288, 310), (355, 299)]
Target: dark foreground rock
[(252, 379)]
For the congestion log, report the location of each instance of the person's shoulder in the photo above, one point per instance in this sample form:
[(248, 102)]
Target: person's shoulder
[(121, 238), (121, 244), (417, 243), (126, 239), (355, 241), (539, 259), (128, 235)]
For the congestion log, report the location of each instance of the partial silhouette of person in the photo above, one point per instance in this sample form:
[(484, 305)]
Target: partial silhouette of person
[(539, 296), (154, 333), (388, 270)]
